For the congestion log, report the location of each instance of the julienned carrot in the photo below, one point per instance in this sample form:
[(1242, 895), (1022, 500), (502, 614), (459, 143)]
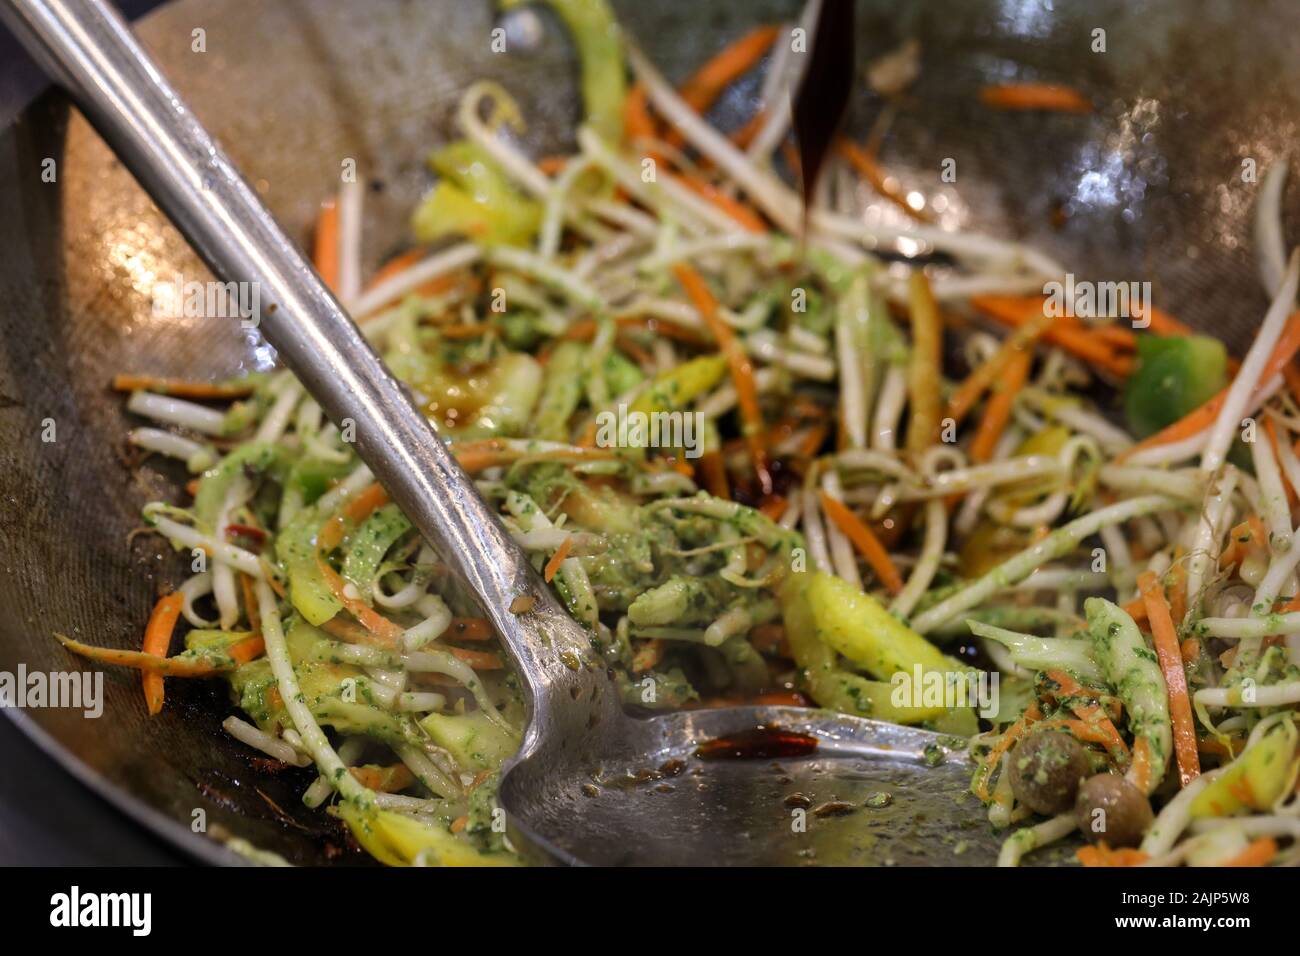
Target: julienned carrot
[(997, 412), (1292, 376), (980, 785), (1035, 96), (400, 263), (742, 136), (713, 473), (468, 629), (479, 660), (865, 541), (638, 124), (728, 65), (870, 170), (475, 456), (742, 371), (774, 507), (557, 559), (1259, 853), (153, 665), (967, 393), (1203, 416), (741, 212), (552, 165), (731, 63), (384, 633), (357, 509), (1102, 855), (325, 253), (1064, 332), (157, 638), (250, 602), (1165, 639), (388, 779), (182, 388), (381, 632)]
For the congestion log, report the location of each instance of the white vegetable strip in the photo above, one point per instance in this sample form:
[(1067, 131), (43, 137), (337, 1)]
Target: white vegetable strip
[(843, 557), (1234, 406), (1270, 246), (177, 411), (352, 195), (197, 456), (258, 739), (441, 263), (889, 409), (277, 652), (936, 536), (1057, 544)]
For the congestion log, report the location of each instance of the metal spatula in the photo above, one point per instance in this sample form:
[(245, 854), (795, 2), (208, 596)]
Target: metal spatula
[(750, 785)]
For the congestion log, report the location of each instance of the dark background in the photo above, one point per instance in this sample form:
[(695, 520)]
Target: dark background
[(45, 818)]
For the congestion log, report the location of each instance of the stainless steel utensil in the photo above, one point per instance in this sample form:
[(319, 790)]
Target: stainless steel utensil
[(590, 784)]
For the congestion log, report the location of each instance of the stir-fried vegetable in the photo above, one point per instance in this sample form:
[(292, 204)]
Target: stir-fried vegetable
[(731, 447)]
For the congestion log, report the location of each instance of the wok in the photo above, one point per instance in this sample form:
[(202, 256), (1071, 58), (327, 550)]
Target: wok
[(1150, 187)]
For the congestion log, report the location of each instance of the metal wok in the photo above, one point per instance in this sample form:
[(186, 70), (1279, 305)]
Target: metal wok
[(1150, 187)]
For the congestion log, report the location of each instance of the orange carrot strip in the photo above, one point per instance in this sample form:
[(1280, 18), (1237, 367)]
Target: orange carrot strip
[(181, 388), (468, 629), (1259, 853), (774, 507), (552, 165), (1165, 639), (998, 410), (980, 786), (1064, 333), (157, 638), (638, 124), (713, 472), (742, 136), (388, 779), (865, 541), (1202, 417), (869, 168), (742, 371), (557, 559), (154, 665), (479, 660), (1052, 97), (728, 65), (325, 255), (742, 212), (1102, 855), (1292, 376), (357, 509), (965, 396)]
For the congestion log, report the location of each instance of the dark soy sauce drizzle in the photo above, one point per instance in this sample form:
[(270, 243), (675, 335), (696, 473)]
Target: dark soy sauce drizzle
[(822, 97), (765, 743)]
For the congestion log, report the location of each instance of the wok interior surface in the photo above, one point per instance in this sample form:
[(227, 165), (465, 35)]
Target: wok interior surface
[(1150, 187)]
